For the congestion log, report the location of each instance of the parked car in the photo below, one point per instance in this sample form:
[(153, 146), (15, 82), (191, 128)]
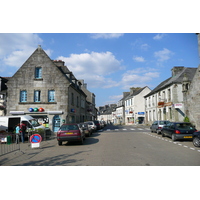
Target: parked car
[(101, 124), (97, 123), (92, 125), (158, 125), (85, 128), (70, 132), (178, 131), (196, 139)]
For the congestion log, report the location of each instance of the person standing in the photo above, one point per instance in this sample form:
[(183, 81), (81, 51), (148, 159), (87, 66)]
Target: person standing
[(17, 129), (22, 131)]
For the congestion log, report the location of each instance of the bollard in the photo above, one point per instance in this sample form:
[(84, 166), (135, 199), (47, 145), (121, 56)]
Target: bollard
[(8, 139)]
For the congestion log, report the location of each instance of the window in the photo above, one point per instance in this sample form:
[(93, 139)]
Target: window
[(51, 96), (23, 96), (77, 102), (37, 94), (72, 99), (38, 72)]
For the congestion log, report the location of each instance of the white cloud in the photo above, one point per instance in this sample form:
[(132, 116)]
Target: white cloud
[(145, 47), (138, 77), (138, 59), (116, 97), (106, 35), (163, 55), (93, 67), (159, 36), (15, 48)]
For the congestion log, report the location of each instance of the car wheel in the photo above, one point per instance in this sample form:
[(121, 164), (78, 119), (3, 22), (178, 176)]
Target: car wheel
[(59, 143), (173, 137), (158, 132), (81, 142), (163, 135), (196, 142)]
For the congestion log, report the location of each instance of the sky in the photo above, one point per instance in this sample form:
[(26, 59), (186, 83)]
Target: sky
[(110, 63)]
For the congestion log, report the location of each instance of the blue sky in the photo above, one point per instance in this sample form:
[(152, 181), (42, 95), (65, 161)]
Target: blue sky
[(109, 63)]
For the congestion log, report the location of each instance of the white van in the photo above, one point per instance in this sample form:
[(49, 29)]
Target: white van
[(8, 123)]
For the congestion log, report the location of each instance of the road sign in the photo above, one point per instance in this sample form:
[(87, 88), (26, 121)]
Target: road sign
[(35, 140)]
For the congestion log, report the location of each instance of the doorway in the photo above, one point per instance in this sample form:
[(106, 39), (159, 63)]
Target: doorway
[(56, 123)]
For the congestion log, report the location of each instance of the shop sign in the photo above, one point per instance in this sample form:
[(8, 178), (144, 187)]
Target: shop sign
[(141, 113), (178, 105)]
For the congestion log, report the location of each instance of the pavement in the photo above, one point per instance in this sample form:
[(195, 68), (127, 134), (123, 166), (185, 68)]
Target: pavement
[(32, 156), (26, 152)]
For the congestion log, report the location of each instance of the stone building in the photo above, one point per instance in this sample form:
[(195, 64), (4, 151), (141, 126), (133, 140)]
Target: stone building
[(166, 101), (47, 90), (3, 95), (91, 111), (191, 92)]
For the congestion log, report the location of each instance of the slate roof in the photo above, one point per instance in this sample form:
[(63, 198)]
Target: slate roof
[(135, 92), (190, 72)]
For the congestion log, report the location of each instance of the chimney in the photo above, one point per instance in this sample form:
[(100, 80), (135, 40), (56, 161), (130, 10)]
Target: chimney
[(59, 63), (176, 70)]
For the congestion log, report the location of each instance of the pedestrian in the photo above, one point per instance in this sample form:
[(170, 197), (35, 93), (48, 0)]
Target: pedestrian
[(22, 131), (17, 133)]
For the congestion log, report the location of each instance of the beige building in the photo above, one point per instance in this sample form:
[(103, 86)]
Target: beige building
[(135, 105)]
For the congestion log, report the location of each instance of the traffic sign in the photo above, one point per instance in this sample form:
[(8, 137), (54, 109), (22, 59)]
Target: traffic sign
[(35, 140)]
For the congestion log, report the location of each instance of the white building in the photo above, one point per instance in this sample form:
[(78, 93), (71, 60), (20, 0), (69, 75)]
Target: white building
[(135, 105), (165, 102), (120, 109)]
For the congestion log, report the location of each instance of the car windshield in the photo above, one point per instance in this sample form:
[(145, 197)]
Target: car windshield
[(69, 127), (164, 122), (183, 126), (34, 122)]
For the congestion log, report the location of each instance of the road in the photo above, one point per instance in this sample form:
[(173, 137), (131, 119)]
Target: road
[(112, 146)]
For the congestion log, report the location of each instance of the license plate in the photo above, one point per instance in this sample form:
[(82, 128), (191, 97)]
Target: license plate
[(187, 136), (68, 133)]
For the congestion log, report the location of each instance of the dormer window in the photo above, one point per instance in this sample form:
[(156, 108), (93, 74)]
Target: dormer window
[(38, 72)]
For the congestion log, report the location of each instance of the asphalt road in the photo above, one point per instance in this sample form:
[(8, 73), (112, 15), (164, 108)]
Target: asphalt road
[(112, 146)]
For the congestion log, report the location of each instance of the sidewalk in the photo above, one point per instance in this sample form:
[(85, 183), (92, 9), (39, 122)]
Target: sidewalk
[(26, 152)]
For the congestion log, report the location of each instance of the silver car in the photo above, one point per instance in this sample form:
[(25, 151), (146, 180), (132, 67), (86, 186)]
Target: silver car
[(158, 125), (92, 125)]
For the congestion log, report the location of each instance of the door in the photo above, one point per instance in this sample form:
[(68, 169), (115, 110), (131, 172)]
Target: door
[(56, 123)]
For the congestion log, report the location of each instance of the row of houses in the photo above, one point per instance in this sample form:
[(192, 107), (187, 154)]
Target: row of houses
[(174, 99), (47, 90)]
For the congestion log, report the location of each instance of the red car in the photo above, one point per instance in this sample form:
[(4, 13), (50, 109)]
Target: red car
[(70, 132)]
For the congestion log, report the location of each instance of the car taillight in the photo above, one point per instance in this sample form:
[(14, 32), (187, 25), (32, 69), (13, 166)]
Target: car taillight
[(159, 127), (177, 132)]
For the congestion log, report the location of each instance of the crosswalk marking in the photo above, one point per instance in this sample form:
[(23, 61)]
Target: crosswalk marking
[(125, 129)]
